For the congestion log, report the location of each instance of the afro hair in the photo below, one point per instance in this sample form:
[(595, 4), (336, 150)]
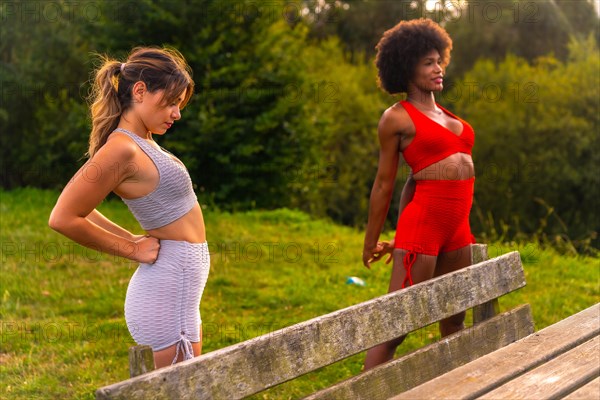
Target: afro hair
[(401, 47)]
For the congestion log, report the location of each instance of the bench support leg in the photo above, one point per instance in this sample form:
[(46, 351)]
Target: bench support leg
[(141, 360), (490, 309)]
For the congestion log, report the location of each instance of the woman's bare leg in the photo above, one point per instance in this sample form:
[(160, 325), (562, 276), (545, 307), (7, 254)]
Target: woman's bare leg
[(164, 358), (449, 262), (422, 270)]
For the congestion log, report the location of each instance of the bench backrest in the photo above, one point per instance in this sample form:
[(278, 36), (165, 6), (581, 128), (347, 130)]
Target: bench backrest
[(249, 367)]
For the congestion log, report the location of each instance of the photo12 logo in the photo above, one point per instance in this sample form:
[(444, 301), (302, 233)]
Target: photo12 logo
[(492, 92), (41, 91), (63, 332), (473, 10), (289, 252), (42, 11), (324, 92)]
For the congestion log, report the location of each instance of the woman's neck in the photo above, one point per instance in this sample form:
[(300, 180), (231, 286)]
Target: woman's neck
[(133, 124), (423, 99)]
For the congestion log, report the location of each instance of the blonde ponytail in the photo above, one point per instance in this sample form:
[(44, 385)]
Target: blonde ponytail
[(106, 108)]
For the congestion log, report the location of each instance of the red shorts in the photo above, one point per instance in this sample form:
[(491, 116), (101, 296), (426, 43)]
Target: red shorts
[(436, 220)]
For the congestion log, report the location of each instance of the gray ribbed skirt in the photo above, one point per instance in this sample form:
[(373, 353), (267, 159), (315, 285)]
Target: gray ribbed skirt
[(162, 306)]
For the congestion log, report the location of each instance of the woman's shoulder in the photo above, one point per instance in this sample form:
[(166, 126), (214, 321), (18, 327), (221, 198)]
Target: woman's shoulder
[(121, 139), (120, 145), (396, 119)]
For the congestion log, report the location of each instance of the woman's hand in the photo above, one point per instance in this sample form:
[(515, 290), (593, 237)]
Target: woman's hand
[(145, 249), (376, 253), (385, 248)]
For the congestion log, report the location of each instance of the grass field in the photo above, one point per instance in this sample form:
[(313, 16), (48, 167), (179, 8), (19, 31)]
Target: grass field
[(63, 334)]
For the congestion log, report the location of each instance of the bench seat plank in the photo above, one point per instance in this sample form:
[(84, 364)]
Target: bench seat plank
[(257, 364), (435, 359), (556, 378), (491, 371), (587, 392)]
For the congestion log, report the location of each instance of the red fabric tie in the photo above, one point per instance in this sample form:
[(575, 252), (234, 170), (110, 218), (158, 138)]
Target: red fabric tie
[(409, 259)]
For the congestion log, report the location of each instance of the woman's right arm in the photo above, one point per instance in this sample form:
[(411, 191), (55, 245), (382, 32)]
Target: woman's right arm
[(381, 193), (387, 247), (88, 188), (99, 219)]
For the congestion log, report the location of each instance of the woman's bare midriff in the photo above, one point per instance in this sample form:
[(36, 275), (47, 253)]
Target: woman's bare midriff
[(458, 166), (189, 228)]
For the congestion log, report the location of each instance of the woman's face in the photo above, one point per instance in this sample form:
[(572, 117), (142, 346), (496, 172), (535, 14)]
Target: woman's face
[(156, 116), (428, 73)]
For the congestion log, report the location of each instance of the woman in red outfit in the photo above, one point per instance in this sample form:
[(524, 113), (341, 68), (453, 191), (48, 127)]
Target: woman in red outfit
[(433, 236)]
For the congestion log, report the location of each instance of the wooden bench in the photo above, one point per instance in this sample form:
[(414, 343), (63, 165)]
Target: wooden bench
[(257, 364), (560, 360)]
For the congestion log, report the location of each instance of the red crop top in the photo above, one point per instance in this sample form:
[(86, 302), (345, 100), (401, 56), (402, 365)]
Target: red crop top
[(434, 142)]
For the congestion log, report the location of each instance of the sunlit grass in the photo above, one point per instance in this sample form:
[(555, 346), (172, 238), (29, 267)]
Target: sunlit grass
[(63, 334)]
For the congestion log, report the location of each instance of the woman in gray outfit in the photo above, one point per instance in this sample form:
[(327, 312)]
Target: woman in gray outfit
[(132, 101)]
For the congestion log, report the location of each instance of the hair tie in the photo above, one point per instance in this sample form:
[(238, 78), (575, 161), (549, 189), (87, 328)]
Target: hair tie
[(122, 66)]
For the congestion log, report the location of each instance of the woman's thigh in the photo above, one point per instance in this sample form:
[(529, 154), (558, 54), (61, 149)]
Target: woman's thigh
[(453, 260), (423, 269)]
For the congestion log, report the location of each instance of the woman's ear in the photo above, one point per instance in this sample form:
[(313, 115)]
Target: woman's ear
[(138, 91)]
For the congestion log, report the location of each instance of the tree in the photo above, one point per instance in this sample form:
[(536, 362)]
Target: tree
[(42, 119), (527, 28), (536, 143)]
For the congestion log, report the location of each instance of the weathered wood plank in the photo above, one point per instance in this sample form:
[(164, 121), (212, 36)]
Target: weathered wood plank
[(252, 366), (556, 378), (486, 310), (141, 360), (587, 392), (435, 359), (490, 371)]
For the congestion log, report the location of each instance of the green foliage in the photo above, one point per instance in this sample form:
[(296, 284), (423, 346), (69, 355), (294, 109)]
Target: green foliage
[(42, 118), (286, 109), (479, 28), (536, 141), (492, 29), (359, 24), (245, 125), (342, 111)]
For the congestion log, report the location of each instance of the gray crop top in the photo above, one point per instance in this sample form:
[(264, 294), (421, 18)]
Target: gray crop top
[(172, 198)]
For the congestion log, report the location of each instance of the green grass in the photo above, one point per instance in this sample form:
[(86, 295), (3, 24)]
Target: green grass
[(62, 329)]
